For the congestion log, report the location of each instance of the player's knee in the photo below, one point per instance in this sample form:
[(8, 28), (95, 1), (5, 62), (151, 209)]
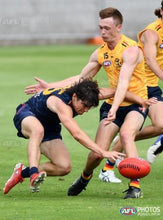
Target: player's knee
[(95, 157), (124, 135), (98, 157), (38, 133), (61, 170), (66, 169)]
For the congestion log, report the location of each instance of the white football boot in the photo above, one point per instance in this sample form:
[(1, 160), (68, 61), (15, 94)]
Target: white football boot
[(109, 176), (154, 150)]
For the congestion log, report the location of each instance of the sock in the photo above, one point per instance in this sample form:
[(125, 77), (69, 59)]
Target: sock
[(25, 173), (108, 166), (33, 170), (135, 183), (86, 176)]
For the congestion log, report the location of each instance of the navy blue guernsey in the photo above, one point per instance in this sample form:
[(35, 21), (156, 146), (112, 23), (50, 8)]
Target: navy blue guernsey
[(39, 106)]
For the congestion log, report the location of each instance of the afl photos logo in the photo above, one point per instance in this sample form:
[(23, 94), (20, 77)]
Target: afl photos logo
[(128, 210)]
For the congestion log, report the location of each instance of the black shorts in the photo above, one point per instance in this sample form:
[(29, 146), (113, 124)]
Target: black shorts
[(121, 112), (155, 92), (51, 131)]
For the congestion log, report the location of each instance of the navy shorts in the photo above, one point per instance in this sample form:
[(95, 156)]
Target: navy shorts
[(155, 92), (51, 131), (121, 112)]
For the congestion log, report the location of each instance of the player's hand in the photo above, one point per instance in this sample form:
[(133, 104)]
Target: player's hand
[(37, 87), (114, 155), (147, 103), (111, 116)]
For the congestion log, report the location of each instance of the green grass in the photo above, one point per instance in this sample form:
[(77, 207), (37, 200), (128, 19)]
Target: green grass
[(101, 200)]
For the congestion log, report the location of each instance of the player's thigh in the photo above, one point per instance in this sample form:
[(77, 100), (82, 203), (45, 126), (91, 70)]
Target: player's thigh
[(105, 134), (156, 114), (56, 151), (32, 126), (132, 124)]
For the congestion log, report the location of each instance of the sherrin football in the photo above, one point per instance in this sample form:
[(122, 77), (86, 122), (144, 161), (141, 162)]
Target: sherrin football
[(134, 168)]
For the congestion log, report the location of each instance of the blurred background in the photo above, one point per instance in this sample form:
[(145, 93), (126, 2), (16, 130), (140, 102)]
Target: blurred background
[(31, 22)]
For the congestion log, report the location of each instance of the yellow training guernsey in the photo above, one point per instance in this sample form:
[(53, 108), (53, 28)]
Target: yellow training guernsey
[(111, 60), (157, 27)]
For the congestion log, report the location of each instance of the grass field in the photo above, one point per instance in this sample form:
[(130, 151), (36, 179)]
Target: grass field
[(101, 200)]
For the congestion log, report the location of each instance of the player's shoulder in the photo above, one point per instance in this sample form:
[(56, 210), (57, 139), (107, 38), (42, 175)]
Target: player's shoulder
[(155, 24), (127, 41)]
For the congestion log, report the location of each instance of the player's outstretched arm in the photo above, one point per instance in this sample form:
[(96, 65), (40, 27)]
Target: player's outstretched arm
[(65, 115), (32, 89), (106, 93), (138, 100), (89, 71)]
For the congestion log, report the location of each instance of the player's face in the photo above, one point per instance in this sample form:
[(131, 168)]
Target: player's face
[(79, 105), (108, 29)]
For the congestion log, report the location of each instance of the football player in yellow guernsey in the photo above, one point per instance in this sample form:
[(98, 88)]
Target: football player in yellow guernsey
[(151, 40), (123, 62)]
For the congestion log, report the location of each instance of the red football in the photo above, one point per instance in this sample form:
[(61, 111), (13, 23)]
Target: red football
[(134, 168)]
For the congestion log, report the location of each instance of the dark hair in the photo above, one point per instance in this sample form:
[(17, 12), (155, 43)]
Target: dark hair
[(86, 90), (111, 12), (157, 11)]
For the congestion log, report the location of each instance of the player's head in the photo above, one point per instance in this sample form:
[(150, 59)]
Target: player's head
[(110, 24), (112, 12), (159, 11), (86, 91)]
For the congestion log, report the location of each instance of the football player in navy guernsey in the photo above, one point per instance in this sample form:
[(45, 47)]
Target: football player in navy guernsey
[(38, 120)]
